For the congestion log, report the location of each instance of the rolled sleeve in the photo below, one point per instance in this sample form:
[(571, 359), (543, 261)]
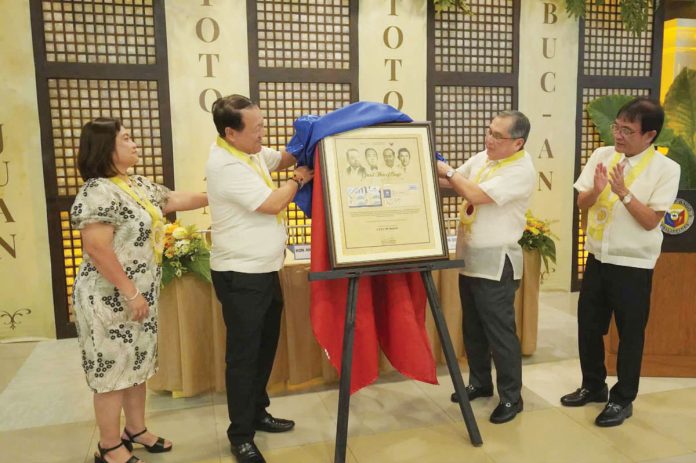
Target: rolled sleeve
[(666, 192), (514, 182), (96, 202), (465, 169), (271, 158)]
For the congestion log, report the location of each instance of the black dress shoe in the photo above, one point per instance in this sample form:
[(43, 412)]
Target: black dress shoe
[(474, 392), (270, 424), (247, 453), (583, 396), (613, 414), (506, 411)]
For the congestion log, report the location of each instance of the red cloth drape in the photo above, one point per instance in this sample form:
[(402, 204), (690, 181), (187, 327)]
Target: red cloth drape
[(390, 313)]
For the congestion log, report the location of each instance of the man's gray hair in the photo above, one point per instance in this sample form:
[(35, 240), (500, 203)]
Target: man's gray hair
[(520, 125)]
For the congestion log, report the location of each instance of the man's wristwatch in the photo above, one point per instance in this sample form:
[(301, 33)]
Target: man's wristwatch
[(449, 174), (299, 181), (627, 199)]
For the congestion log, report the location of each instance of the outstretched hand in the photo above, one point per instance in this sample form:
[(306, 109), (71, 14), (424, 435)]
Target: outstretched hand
[(304, 173)]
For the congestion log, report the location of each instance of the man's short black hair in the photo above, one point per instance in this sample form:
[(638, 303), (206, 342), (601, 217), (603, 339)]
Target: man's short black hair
[(646, 111), (227, 112), (95, 158)]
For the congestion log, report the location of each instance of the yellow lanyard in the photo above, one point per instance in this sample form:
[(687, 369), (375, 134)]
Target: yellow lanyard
[(155, 214), (245, 158), (600, 214), (467, 211)]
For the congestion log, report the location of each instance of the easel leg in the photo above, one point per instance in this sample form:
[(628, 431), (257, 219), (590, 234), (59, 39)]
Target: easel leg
[(452, 364), (346, 367)]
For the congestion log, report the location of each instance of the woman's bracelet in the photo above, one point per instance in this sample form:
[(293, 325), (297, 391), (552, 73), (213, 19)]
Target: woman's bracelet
[(131, 299)]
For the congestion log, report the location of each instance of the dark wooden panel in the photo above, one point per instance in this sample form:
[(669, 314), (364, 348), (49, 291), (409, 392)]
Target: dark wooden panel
[(670, 341)]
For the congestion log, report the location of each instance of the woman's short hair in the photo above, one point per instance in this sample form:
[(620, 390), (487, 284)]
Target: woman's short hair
[(227, 112), (95, 157)]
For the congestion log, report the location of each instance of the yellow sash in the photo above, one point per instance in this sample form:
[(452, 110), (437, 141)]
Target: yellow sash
[(157, 236), (467, 211), (600, 214), (245, 158)]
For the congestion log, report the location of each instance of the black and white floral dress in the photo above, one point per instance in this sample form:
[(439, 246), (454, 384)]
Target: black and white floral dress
[(116, 352)]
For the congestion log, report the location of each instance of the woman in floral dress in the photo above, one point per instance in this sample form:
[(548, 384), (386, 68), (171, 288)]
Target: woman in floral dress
[(117, 288)]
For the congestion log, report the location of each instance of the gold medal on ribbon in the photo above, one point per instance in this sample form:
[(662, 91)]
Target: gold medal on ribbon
[(601, 215), (467, 214)]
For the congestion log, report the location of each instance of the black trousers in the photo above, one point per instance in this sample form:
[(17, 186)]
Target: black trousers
[(251, 306), (625, 292), (489, 331)]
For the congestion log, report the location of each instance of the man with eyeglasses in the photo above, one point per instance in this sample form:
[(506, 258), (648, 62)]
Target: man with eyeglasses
[(496, 185), (624, 190)]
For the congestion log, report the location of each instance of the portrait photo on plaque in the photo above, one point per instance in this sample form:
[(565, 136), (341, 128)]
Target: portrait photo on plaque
[(381, 196)]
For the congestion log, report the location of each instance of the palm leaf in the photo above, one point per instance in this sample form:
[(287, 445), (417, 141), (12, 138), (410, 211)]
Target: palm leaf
[(680, 107), (684, 156), (168, 273), (201, 266), (603, 111)]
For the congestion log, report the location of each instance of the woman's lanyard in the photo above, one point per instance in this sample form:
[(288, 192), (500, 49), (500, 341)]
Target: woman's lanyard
[(155, 214)]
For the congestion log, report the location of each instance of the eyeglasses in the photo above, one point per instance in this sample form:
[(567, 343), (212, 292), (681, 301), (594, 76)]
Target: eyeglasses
[(498, 137), (624, 131)]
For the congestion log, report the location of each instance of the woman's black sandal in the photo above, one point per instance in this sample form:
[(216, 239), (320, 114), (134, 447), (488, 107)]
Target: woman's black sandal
[(157, 447), (102, 453)]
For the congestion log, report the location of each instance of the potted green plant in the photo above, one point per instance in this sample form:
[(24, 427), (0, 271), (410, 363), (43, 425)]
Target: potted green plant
[(537, 236)]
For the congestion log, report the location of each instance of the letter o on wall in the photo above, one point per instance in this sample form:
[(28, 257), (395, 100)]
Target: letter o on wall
[(203, 97), (202, 32), (399, 37)]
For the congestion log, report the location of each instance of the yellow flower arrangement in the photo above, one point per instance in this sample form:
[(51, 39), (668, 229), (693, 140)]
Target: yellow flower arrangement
[(537, 235), (185, 250)]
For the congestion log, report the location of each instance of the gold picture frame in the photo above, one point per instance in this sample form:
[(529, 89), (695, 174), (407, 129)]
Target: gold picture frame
[(381, 196)]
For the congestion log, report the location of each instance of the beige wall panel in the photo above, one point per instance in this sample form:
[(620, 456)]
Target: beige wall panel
[(208, 53), (25, 278), (547, 95), (393, 54)]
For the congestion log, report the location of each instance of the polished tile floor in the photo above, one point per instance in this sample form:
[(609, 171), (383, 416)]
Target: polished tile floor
[(46, 415)]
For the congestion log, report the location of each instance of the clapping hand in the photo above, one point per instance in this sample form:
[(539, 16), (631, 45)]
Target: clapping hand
[(600, 178), (616, 180)]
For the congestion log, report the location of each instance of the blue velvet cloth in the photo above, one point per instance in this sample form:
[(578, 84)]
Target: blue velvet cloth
[(310, 129)]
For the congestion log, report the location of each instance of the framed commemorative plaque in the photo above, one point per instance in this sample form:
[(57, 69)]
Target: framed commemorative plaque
[(381, 196)]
